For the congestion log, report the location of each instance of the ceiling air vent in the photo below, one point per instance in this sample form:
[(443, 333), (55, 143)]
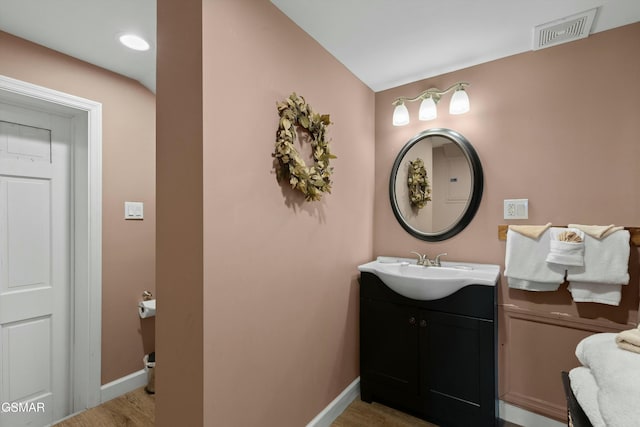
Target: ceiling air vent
[(564, 30)]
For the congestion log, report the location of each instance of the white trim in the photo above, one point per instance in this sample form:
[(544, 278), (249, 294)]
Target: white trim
[(507, 412), (337, 406), (123, 385), (116, 389), (87, 166), (522, 417), (66, 418)]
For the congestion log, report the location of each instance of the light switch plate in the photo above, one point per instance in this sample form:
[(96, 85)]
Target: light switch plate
[(133, 210), (516, 209)]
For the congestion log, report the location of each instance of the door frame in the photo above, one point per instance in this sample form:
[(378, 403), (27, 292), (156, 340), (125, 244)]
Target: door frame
[(86, 169)]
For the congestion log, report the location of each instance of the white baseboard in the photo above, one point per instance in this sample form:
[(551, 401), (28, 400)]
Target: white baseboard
[(506, 411), (522, 417), (337, 406), (123, 385), (116, 388)]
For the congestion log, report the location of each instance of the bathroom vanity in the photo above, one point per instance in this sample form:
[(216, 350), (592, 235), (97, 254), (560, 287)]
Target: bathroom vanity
[(432, 358), (428, 332)]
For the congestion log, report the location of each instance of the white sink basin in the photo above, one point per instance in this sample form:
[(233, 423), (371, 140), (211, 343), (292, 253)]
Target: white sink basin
[(429, 283)]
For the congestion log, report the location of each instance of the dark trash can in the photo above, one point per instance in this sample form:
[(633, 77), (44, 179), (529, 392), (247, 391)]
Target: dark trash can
[(150, 368)]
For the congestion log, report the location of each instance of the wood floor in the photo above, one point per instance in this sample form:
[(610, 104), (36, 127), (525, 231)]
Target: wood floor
[(137, 409), (134, 409), (362, 414)]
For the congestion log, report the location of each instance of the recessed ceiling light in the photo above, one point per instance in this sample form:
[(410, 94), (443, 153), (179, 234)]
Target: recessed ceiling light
[(134, 42)]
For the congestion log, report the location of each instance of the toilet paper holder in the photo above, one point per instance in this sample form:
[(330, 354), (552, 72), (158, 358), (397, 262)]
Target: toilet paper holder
[(147, 307)]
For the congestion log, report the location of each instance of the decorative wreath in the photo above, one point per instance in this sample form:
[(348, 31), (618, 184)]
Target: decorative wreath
[(314, 180), (419, 188)]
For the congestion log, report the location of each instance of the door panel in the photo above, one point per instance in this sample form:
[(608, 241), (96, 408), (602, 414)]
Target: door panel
[(25, 142), (389, 340), (28, 240), (459, 369), (27, 350), (453, 349), (35, 259)]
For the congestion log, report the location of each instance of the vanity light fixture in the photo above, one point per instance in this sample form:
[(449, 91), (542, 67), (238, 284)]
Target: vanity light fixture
[(134, 42), (459, 104)]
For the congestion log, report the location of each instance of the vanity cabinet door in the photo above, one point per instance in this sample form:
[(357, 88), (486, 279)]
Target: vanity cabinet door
[(388, 351), (458, 368)]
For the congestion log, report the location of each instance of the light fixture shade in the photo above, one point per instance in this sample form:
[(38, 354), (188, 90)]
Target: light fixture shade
[(459, 102), (428, 110), (400, 115)]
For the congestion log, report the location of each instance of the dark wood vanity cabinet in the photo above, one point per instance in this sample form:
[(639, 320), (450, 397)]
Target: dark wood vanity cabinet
[(434, 359)]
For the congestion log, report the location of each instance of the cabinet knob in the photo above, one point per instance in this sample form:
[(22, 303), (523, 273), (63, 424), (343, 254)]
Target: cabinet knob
[(412, 320), (423, 323)]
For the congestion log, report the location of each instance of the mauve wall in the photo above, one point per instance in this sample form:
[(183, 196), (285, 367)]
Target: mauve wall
[(179, 235), (280, 277), (560, 127), (128, 247)]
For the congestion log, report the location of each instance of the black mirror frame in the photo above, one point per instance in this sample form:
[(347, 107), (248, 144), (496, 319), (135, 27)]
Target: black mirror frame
[(476, 190)]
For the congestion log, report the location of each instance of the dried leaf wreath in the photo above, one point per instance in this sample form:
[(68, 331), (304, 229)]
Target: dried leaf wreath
[(419, 188), (314, 180)]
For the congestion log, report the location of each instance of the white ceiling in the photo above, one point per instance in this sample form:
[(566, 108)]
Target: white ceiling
[(88, 30), (385, 43)]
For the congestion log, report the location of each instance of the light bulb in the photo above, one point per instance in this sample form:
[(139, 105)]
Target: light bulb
[(400, 115), (134, 42), (459, 102), (428, 110)]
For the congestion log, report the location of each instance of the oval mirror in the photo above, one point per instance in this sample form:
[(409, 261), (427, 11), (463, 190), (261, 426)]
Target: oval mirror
[(436, 184)]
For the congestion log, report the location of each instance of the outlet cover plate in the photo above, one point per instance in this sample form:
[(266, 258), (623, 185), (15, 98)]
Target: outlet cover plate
[(516, 209), (133, 210)]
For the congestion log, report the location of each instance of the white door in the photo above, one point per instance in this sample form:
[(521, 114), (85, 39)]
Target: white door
[(35, 267)]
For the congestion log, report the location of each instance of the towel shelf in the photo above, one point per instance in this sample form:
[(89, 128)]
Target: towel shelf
[(634, 231)]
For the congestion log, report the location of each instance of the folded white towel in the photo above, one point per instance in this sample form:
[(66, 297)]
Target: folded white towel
[(595, 292), (597, 231), (525, 265), (606, 263), (563, 252), (629, 340), (533, 231), (617, 374), (585, 388)]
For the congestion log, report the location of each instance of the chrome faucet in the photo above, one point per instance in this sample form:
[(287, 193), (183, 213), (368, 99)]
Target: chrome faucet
[(425, 261), (436, 262), (422, 259)]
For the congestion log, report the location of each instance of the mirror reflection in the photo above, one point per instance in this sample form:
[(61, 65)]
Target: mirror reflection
[(436, 184)]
